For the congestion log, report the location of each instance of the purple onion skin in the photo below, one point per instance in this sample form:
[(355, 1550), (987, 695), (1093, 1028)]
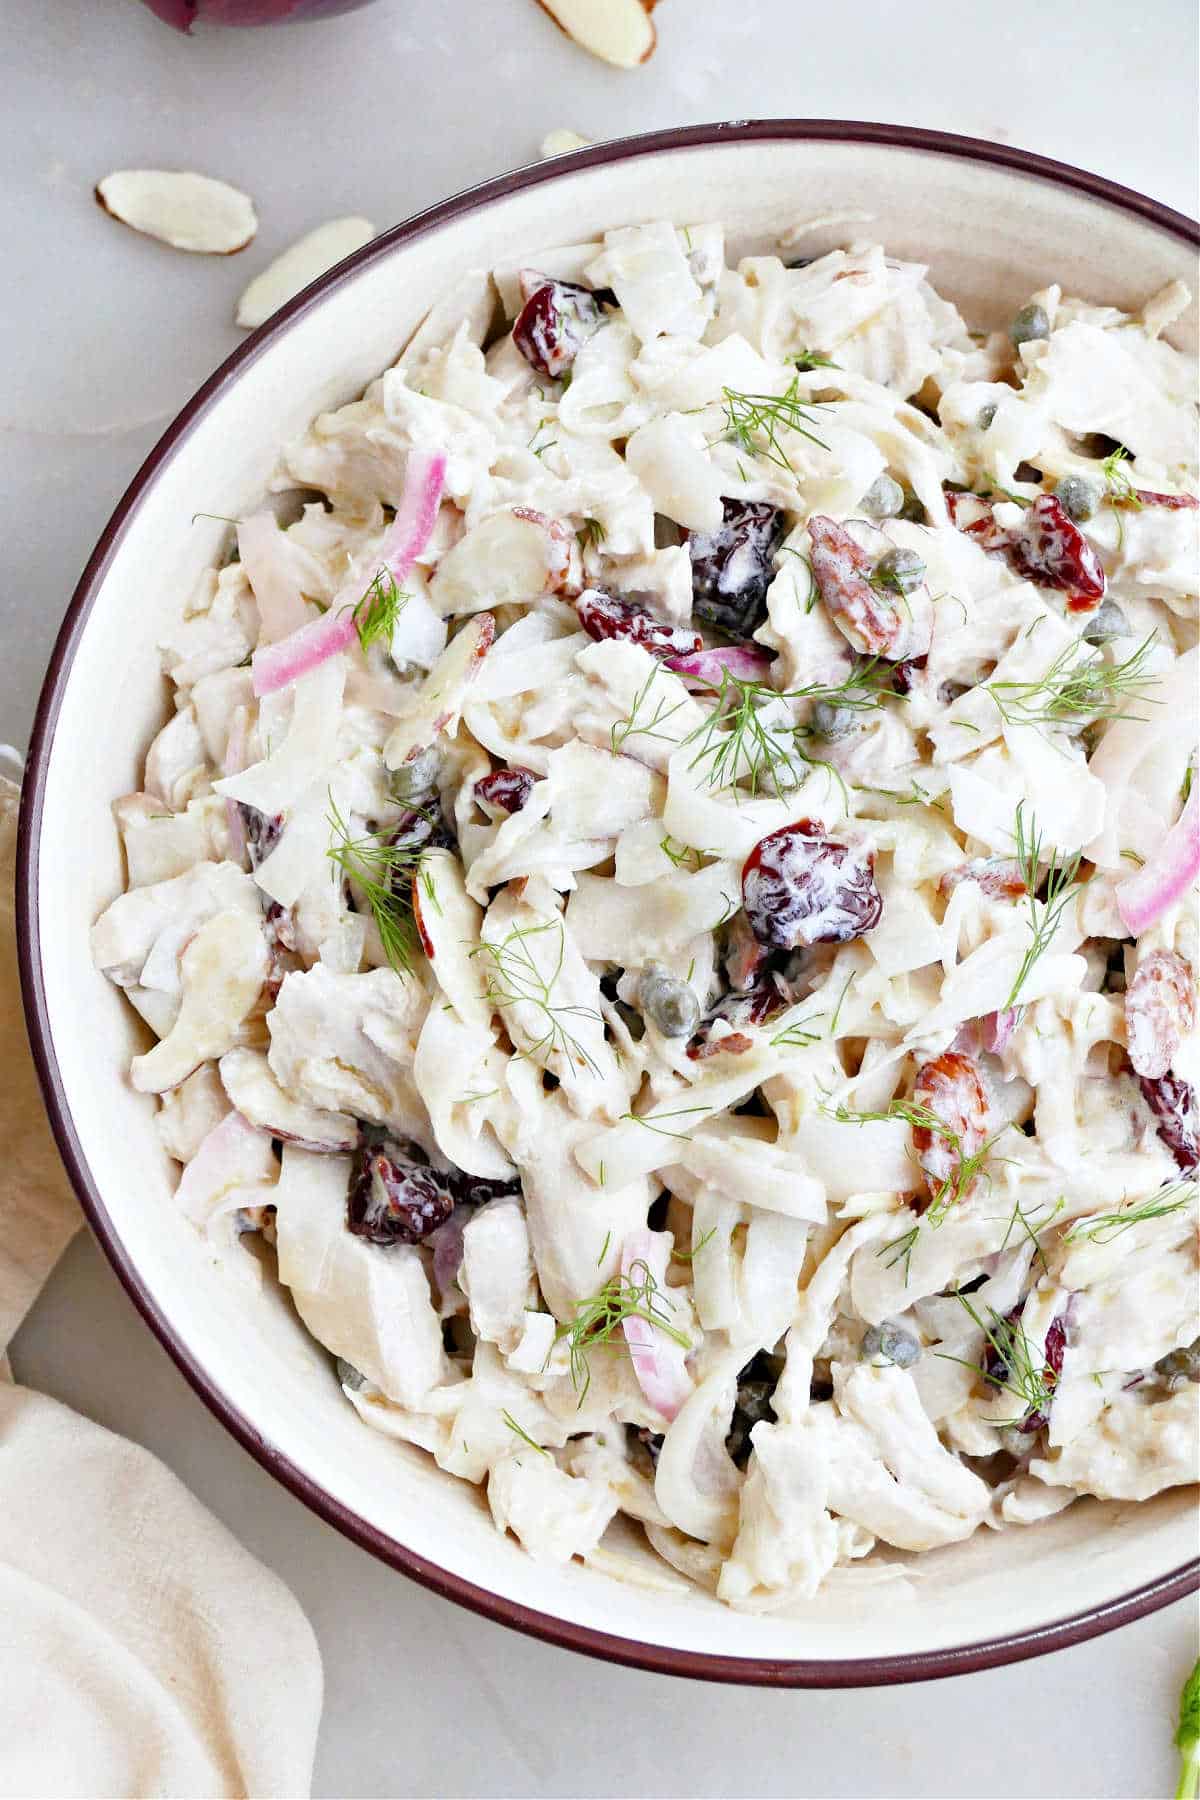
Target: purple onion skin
[(183, 13)]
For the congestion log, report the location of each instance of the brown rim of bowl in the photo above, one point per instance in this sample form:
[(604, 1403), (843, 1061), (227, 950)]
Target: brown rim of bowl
[(660, 1659)]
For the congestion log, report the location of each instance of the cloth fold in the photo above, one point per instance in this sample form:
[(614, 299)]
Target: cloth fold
[(143, 1651), (39, 1214)]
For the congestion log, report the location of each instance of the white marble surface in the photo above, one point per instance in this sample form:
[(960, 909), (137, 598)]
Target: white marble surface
[(103, 338)]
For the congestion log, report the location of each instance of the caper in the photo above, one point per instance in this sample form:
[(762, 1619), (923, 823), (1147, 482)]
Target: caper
[(1180, 1366), (883, 499), (833, 721), (1106, 623), (415, 780), (1078, 497), (950, 691), (913, 509), (1033, 321), (986, 415), (670, 1005), (891, 1342), (900, 569)]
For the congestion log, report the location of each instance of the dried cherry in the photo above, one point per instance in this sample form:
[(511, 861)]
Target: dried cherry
[(557, 319), (765, 995), (1046, 547), (420, 829), (604, 616), (733, 566), (393, 1197), (507, 789), (799, 887), (262, 831), (1173, 1103)]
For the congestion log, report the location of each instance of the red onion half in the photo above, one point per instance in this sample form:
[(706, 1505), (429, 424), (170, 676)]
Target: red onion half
[(183, 13)]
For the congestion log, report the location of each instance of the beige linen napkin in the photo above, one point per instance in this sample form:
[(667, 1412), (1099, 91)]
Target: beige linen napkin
[(143, 1651)]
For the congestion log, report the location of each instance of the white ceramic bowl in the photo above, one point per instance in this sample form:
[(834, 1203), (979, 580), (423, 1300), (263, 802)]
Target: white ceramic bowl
[(993, 224)]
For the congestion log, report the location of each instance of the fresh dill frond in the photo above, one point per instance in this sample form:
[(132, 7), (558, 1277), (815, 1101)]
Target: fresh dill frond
[(900, 1250), (1062, 884), (1032, 1231), (600, 1317), (429, 889), (687, 1256), (1005, 494), (682, 855), (754, 421), (1121, 491), (653, 1125), (795, 1037), (1023, 1375), (837, 1011), (727, 912), (734, 743), (637, 724), (539, 450), (382, 873), (916, 795), (591, 534), (923, 1118), (1078, 687), (864, 689), (1103, 1228), (523, 1434), (514, 978), (604, 1248), (813, 592), (220, 517), (376, 613), (812, 359), (1187, 1738)]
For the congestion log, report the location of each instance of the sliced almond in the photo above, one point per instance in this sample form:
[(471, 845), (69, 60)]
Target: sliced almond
[(561, 143), (251, 1086), (221, 973), (437, 705), (508, 559), (301, 263), (448, 921), (189, 212), (618, 31)]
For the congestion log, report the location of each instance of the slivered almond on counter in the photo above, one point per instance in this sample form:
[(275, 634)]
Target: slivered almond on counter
[(619, 31), (189, 212), (299, 264), (561, 143)]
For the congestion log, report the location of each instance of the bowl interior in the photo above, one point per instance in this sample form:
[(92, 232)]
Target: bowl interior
[(990, 236)]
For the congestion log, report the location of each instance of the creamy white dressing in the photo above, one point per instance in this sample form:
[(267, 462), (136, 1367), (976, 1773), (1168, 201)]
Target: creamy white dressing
[(839, 1300)]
